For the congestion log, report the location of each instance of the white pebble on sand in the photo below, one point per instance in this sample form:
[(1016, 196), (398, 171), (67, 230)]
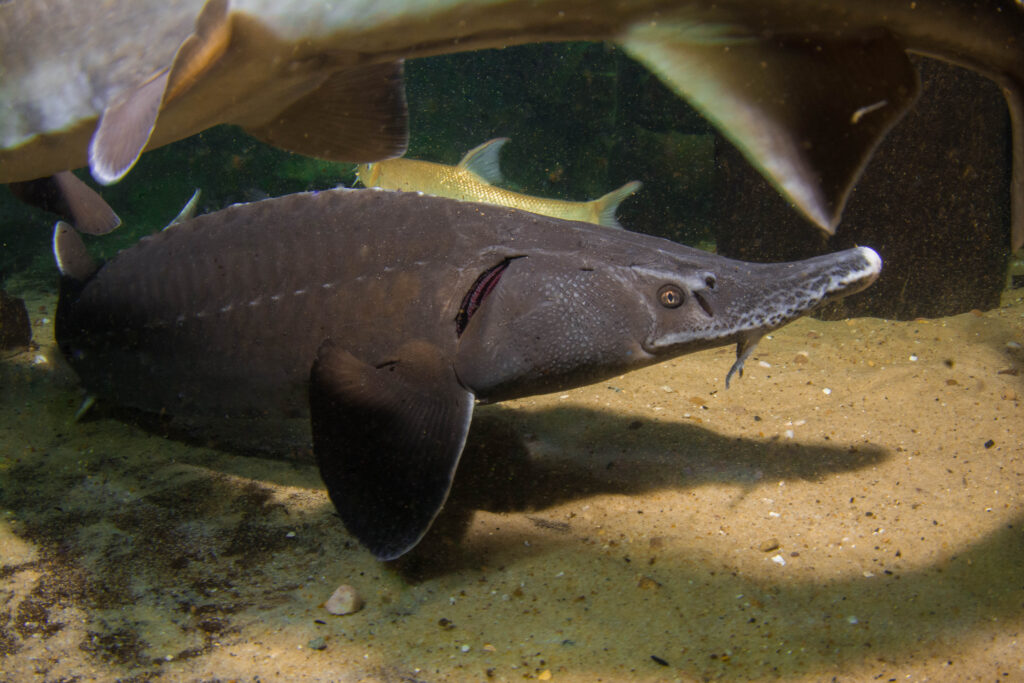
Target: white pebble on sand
[(344, 600)]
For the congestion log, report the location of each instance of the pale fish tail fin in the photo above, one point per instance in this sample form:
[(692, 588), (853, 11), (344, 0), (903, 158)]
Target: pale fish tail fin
[(605, 207), (482, 161)]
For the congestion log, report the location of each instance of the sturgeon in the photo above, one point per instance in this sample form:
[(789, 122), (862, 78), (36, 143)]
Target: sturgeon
[(805, 88), (385, 315)]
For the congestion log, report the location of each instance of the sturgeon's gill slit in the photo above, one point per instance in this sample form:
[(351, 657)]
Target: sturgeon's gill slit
[(704, 304), (483, 286)]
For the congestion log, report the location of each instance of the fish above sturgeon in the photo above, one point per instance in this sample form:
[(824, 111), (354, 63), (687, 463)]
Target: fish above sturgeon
[(386, 315), (471, 181), (806, 89)]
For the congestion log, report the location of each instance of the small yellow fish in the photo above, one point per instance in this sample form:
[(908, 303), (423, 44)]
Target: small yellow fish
[(471, 181)]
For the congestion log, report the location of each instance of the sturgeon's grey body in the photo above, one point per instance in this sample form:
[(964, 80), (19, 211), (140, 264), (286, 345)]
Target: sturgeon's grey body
[(386, 314)]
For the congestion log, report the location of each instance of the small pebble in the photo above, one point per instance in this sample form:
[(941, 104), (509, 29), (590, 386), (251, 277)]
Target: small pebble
[(779, 560), (826, 391), (769, 545), (647, 583), (317, 644), (344, 600)]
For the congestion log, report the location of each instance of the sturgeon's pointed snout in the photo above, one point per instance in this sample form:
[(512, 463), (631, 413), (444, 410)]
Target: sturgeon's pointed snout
[(789, 290), (849, 271), (745, 301), (808, 284)]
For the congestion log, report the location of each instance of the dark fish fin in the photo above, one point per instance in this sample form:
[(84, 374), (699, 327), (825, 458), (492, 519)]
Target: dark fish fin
[(128, 121), (1013, 89), (388, 440), (482, 161), (71, 199), (357, 115), (124, 130), (73, 259), (807, 111)]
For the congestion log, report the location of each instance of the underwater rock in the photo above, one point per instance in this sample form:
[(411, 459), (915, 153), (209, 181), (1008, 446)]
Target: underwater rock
[(15, 329), (344, 600), (933, 201)]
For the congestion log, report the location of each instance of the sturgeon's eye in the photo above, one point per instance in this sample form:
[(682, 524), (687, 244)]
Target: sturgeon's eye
[(670, 296)]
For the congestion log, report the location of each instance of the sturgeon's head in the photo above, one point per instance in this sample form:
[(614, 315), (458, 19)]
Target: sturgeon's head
[(551, 321)]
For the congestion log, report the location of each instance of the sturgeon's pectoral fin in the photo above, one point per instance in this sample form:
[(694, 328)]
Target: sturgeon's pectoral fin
[(209, 40), (71, 199), (128, 121), (387, 440), (356, 115), (124, 130), (806, 111), (482, 161)]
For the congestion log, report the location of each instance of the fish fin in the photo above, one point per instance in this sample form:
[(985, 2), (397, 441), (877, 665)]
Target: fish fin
[(187, 211), (72, 257), (807, 112), (744, 348), (482, 161), (128, 121), (356, 115), (124, 130), (71, 199), (87, 403), (387, 440), (207, 42), (1013, 90), (607, 205)]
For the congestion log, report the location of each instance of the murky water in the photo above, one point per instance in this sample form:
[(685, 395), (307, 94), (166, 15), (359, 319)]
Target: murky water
[(851, 508)]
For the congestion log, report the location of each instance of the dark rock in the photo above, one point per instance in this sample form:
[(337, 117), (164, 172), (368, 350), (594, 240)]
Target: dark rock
[(934, 202), (15, 330)]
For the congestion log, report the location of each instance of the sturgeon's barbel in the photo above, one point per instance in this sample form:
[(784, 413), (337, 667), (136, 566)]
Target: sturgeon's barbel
[(387, 314), (805, 88)]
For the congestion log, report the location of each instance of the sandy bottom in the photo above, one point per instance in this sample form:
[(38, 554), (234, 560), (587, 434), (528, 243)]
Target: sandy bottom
[(852, 509)]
